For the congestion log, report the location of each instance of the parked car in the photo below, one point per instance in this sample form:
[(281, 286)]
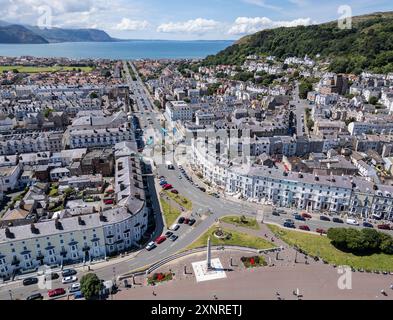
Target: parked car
[(367, 225), (67, 280), (304, 228), (174, 191), (384, 227), (160, 240), (108, 201), (163, 182), (52, 276), (56, 292), (151, 246), (321, 231), (324, 218), (78, 295), (68, 273), (167, 187), (74, 288), (202, 189), (337, 220), (306, 216), (175, 227), (299, 217), (173, 237), (289, 225), (191, 222), (30, 281), (186, 221), (168, 234), (181, 220), (35, 296), (276, 214), (352, 222)]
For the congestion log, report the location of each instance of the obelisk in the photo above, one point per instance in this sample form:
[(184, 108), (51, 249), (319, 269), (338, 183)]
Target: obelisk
[(208, 260)]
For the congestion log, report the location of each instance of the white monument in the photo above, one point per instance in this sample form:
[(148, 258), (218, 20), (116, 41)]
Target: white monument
[(209, 269)]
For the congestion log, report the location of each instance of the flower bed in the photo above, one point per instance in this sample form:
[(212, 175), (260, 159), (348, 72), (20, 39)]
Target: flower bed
[(254, 262), (159, 278)]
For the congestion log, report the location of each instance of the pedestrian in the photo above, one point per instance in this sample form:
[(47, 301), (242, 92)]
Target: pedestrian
[(391, 286)]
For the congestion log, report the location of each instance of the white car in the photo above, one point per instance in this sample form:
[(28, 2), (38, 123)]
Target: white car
[(75, 287), (151, 246), (174, 227), (69, 279), (352, 222)]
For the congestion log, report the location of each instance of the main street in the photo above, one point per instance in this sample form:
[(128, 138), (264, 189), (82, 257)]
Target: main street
[(206, 209)]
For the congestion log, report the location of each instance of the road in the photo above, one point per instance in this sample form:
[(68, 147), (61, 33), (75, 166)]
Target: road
[(300, 108), (210, 209)]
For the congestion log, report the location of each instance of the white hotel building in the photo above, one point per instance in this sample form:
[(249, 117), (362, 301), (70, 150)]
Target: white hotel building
[(335, 194), (80, 238)]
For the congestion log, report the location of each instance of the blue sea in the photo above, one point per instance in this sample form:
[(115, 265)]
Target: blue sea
[(133, 49)]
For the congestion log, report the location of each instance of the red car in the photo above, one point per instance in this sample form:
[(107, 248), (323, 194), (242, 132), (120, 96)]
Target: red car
[(108, 201), (160, 240), (167, 187), (384, 227), (56, 292), (306, 216), (186, 221), (175, 191), (321, 231), (304, 228)]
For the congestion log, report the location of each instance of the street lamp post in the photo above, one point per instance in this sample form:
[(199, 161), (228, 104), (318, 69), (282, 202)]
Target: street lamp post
[(10, 292)]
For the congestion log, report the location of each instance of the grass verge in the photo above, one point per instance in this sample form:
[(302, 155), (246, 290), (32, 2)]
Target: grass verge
[(170, 213), (320, 246), (180, 200), (236, 239), (250, 223)]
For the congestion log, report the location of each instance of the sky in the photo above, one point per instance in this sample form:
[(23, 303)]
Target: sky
[(182, 19)]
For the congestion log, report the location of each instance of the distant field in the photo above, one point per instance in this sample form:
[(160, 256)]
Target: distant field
[(23, 69)]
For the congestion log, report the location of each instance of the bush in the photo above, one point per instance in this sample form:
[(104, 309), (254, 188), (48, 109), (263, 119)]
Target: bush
[(366, 241)]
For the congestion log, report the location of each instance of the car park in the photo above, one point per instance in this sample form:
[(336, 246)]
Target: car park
[(30, 281), (324, 218), (151, 246), (337, 220), (56, 292), (70, 279)]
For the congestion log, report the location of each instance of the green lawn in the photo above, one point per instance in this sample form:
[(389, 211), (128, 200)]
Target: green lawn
[(320, 246), (27, 69), (179, 199), (169, 212), (250, 223), (237, 239)]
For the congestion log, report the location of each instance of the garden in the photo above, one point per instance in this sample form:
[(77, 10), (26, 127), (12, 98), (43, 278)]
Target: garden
[(254, 262), (159, 278)]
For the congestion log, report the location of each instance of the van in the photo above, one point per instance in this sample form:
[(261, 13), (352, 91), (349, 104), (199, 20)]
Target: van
[(352, 222)]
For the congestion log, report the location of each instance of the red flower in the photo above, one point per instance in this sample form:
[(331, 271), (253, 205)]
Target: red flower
[(252, 261)]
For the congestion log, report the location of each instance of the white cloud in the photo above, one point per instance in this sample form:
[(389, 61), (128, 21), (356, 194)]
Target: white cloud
[(244, 25), (131, 25), (197, 26)]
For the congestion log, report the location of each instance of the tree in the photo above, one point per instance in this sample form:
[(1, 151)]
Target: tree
[(304, 88), (386, 245), (373, 100), (338, 236), (371, 239), (90, 286), (93, 95), (354, 240)]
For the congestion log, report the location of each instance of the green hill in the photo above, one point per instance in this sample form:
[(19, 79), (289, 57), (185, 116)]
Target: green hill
[(368, 45)]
